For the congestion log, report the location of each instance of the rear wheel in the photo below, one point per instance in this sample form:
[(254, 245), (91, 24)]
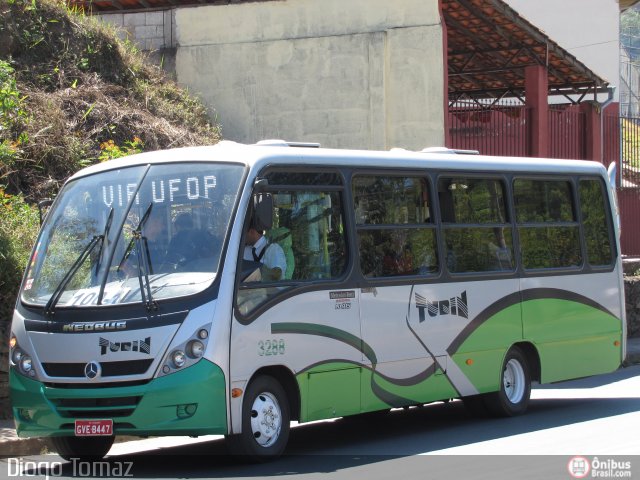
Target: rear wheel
[(82, 448), (515, 386), (265, 422)]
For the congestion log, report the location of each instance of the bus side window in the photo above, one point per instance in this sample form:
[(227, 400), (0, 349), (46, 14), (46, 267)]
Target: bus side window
[(548, 230), (308, 229), (477, 235), (396, 236), (596, 222), (316, 224)]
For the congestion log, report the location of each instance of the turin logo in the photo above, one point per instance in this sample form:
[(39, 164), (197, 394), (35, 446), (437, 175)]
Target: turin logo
[(453, 306), (142, 346)]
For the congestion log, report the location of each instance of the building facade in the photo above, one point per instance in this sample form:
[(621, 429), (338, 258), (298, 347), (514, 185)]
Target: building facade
[(365, 74)]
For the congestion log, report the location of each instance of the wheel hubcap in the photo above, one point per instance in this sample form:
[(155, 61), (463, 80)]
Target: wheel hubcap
[(266, 419), (513, 380)]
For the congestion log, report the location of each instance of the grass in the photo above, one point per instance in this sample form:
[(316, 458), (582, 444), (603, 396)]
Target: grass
[(73, 94)]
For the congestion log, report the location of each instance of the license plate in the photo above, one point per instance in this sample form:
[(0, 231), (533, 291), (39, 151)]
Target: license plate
[(94, 428)]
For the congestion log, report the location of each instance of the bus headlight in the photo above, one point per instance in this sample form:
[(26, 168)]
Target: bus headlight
[(195, 348), (16, 356), (178, 358), (25, 363), (185, 354), (20, 359)]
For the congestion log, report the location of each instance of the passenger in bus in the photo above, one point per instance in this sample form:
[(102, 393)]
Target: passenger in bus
[(179, 245), (398, 259), (269, 255), (499, 252)]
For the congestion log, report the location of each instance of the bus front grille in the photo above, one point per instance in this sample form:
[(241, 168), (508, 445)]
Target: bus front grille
[(96, 407), (109, 369)]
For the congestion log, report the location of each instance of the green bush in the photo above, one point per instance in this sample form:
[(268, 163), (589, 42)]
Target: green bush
[(19, 224)]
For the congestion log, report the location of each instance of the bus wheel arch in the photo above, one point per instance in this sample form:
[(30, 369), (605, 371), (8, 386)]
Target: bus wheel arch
[(533, 359), (514, 389), (287, 380), (267, 406)]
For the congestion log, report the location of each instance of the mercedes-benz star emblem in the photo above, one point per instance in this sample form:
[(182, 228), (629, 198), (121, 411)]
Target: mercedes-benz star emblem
[(92, 370)]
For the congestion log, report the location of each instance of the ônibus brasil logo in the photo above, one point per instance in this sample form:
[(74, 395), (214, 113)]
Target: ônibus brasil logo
[(579, 467)]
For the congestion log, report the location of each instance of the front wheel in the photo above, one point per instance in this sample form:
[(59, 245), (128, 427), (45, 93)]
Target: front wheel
[(515, 386), (82, 448), (265, 422)]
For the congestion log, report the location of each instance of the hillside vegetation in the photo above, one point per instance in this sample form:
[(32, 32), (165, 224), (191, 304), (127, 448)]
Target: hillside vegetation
[(72, 94)]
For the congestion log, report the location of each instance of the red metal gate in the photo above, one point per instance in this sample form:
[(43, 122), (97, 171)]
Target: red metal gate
[(628, 142), (503, 129)]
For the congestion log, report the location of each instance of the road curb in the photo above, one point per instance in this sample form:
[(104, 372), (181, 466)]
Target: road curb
[(23, 447), (26, 447)]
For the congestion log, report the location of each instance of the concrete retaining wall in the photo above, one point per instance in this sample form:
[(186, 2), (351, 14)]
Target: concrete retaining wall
[(363, 74)]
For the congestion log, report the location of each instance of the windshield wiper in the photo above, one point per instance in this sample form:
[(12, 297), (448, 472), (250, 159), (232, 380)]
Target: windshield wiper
[(144, 264), (57, 293), (104, 240)]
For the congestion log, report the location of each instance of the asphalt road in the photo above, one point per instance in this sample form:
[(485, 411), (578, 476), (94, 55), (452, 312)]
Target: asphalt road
[(597, 418)]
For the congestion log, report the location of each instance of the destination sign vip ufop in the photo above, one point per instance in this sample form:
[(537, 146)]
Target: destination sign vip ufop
[(160, 190)]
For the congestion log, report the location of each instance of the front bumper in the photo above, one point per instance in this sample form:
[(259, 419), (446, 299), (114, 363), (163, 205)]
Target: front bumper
[(188, 402)]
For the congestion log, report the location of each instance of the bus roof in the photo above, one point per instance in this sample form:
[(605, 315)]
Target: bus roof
[(277, 152)]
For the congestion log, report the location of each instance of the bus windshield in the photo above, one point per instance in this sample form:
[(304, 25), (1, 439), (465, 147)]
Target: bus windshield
[(137, 234)]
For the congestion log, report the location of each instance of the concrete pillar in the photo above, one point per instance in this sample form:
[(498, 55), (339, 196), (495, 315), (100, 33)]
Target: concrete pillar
[(536, 86)]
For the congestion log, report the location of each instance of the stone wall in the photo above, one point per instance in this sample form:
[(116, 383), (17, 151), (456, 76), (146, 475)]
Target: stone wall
[(632, 299), (150, 31)]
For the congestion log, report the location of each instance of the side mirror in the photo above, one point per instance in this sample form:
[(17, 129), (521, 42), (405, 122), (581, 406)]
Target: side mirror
[(263, 211)]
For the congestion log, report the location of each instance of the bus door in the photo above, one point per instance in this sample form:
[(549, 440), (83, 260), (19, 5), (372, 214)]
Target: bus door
[(294, 309)]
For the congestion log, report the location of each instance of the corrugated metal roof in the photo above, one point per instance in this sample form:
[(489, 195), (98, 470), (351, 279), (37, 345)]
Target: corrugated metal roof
[(624, 4), (489, 46)]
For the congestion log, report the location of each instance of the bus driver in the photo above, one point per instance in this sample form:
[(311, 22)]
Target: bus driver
[(269, 255)]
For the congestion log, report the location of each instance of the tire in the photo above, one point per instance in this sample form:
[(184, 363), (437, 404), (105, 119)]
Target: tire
[(83, 448), (515, 386), (265, 422)]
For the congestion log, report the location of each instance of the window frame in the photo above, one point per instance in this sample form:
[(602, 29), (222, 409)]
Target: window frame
[(422, 174), (549, 271), (505, 179), (293, 287), (609, 222)]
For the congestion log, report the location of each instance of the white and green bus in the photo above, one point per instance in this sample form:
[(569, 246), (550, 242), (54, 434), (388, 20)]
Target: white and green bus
[(390, 279)]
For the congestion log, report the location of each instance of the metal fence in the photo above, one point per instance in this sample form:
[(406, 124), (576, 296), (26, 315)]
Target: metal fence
[(491, 129), (628, 178), (504, 129), (567, 127)]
